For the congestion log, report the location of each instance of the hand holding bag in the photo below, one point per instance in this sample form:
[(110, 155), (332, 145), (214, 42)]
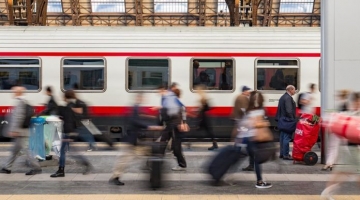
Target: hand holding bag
[(183, 127), (262, 131), (287, 125)]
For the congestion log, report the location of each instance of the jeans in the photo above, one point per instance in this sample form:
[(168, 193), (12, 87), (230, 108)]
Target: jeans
[(62, 158), (251, 157), (86, 136), (285, 139), (251, 150)]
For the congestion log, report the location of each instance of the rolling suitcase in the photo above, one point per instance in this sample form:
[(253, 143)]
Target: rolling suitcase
[(226, 158)]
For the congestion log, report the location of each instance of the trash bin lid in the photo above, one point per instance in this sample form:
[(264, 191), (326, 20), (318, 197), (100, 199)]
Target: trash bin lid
[(53, 119), (37, 120)]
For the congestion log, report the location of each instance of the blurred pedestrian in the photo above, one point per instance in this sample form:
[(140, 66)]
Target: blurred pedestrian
[(19, 133), (70, 122), (334, 140), (349, 158), (51, 106), (129, 151), (204, 121), (255, 113)]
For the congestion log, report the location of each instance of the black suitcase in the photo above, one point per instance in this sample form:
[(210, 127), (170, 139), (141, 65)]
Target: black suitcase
[(227, 157)]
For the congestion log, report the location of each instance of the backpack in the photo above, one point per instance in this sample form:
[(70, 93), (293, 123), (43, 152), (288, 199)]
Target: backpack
[(29, 113), (300, 105)]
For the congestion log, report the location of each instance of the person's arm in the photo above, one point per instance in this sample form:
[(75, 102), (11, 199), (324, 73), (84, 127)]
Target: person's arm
[(289, 108)]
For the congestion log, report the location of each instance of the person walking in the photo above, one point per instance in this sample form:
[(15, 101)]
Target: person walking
[(286, 113), (20, 134), (70, 122)]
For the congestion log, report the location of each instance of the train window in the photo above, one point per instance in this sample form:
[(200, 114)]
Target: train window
[(147, 74), (25, 72), (214, 74), (84, 74), (276, 74)]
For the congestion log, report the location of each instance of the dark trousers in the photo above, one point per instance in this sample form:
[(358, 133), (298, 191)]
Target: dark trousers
[(206, 126), (176, 145), (251, 150), (285, 139), (62, 158)]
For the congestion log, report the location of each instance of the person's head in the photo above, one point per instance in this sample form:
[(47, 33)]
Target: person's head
[(18, 91), (343, 94), (200, 90), (196, 64), (245, 90), (48, 91), (173, 86), (290, 89), (355, 100), (69, 95), (177, 92), (312, 87), (256, 101)]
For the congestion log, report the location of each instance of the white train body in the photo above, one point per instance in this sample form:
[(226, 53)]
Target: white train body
[(243, 47)]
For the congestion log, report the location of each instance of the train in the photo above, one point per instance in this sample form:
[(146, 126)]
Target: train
[(109, 65)]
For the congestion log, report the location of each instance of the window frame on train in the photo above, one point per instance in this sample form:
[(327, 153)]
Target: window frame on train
[(39, 65), (319, 75), (127, 66), (274, 91), (191, 86), (63, 65)]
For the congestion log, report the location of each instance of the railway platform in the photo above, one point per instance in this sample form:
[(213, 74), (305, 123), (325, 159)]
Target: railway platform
[(289, 181)]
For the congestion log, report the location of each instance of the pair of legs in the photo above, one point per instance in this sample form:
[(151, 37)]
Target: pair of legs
[(251, 158), (62, 160), (285, 139), (208, 129), (122, 163), (21, 143), (251, 148), (86, 136), (177, 147)]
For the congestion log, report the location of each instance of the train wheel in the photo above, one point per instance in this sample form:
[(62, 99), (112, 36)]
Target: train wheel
[(310, 158)]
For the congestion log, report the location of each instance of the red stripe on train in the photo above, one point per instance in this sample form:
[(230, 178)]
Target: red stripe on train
[(159, 54), (113, 111)]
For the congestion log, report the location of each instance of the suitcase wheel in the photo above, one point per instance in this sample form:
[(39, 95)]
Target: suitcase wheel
[(310, 158)]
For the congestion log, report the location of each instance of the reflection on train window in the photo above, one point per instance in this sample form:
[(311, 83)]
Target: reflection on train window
[(215, 74), (276, 74), (84, 74), (24, 72), (147, 74)]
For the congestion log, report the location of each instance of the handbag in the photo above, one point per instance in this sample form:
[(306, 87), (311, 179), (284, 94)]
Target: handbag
[(264, 151), (262, 131), (183, 127), (287, 125)]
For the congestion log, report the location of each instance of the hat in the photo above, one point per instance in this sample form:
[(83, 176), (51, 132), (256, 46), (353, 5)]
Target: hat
[(245, 88)]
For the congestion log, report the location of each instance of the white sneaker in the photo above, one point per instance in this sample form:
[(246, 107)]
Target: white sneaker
[(178, 168)]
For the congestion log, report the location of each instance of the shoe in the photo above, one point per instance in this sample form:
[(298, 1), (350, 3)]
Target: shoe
[(287, 158), (326, 167), (263, 185), (33, 172), (5, 171), (59, 173), (178, 168), (115, 181), (248, 168), (48, 157), (214, 146), (91, 149), (281, 156), (88, 168)]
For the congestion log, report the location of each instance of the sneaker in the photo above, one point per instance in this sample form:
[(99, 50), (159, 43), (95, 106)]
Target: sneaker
[(263, 185), (5, 171), (178, 168), (116, 181)]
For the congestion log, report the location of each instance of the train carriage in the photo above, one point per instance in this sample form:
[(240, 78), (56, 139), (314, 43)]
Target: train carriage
[(107, 65)]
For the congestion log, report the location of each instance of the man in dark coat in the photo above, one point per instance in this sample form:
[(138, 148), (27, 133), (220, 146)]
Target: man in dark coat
[(286, 108)]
